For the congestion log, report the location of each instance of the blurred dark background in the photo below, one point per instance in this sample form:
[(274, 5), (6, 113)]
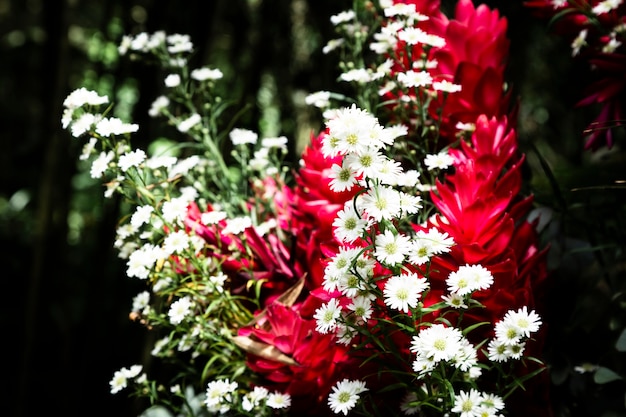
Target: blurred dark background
[(65, 310)]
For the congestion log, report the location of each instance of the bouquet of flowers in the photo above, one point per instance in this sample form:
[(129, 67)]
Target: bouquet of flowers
[(395, 271)]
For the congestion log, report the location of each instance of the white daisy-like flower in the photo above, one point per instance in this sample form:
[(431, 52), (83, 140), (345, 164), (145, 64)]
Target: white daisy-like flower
[(497, 351), (446, 86), (343, 17), (114, 126), (174, 209), (185, 125), (277, 400), (131, 159), (467, 404), (319, 99), (381, 202), (326, 316), (343, 177), (507, 332), (213, 217), (172, 80), (141, 215), (362, 307), (469, 278), (367, 163), (237, 225), (141, 301), (240, 136), (441, 161), (438, 342), (179, 309), (454, 300), (415, 78), (158, 105), (525, 321), (204, 74), (348, 226), (176, 242), (82, 96), (345, 395), (101, 164), (391, 248), (218, 392), (402, 292), (118, 382)]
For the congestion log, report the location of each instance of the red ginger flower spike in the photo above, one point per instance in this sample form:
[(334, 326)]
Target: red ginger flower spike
[(475, 56), (301, 362)]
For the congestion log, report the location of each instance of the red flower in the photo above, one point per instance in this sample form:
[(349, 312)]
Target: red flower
[(302, 362), (475, 57)]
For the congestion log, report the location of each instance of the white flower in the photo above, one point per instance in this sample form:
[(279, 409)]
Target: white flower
[(131, 159), (82, 96), (366, 163), (114, 126), (438, 161), (185, 125), (349, 132), (203, 74), (141, 261), (218, 392), (446, 86), (119, 381), (454, 300), (179, 309), (83, 124), (403, 291), (345, 395), (141, 215), (158, 105), (467, 404), (406, 406), (415, 78), (278, 400), (343, 178), (358, 75), (437, 342), (141, 301), (172, 80), (381, 203), (176, 242), (319, 99), (391, 248), (212, 217), (343, 17), (326, 316), (101, 164), (348, 226), (362, 307), (237, 225), (606, 6), (497, 351), (175, 209), (469, 278), (524, 321), (242, 136)]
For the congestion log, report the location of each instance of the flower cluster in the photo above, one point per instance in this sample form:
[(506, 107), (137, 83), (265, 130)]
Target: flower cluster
[(396, 270), (595, 30)]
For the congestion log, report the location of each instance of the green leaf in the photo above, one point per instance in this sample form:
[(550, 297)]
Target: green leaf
[(620, 345), (605, 375)]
